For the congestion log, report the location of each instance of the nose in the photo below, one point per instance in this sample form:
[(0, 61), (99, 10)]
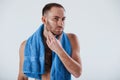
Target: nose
[(60, 22)]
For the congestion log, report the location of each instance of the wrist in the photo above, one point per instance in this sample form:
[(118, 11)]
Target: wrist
[(60, 52)]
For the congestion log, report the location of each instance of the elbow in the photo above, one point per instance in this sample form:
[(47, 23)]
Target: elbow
[(78, 73)]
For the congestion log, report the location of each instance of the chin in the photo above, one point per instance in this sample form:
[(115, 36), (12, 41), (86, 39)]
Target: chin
[(57, 33)]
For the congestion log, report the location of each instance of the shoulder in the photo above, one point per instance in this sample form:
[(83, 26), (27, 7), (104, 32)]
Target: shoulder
[(23, 43), (21, 49), (74, 41), (71, 36)]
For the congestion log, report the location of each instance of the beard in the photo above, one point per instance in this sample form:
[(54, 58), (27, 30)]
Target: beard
[(57, 35), (53, 29)]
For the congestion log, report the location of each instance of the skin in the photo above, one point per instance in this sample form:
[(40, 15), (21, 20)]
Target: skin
[(54, 25)]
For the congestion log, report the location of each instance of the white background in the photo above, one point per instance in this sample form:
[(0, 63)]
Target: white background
[(95, 22)]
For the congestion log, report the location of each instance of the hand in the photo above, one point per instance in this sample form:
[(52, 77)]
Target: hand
[(53, 43)]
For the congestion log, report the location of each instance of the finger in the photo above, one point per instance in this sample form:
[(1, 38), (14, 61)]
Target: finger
[(50, 34), (47, 42), (51, 39), (48, 39)]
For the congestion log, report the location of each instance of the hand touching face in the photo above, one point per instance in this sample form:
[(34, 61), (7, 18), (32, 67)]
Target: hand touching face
[(53, 43)]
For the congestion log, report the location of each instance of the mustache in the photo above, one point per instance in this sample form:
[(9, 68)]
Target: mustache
[(60, 27)]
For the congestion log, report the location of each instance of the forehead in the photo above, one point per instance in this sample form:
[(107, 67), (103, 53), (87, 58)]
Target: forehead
[(56, 11)]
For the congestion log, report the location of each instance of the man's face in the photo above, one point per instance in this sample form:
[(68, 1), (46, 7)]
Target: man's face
[(55, 20)]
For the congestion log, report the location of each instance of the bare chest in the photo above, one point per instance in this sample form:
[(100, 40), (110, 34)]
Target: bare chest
[(48, 59), (48, 56), (48, 63)]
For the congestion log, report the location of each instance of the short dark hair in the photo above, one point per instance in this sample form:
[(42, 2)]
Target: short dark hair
[(48, 6)]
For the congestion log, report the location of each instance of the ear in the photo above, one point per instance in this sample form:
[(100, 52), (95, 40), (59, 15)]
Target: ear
[(44, 19)]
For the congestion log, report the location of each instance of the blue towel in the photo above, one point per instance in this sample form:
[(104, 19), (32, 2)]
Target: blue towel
[(34, 57)]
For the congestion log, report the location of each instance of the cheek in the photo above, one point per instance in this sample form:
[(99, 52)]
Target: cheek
[(51, 25)]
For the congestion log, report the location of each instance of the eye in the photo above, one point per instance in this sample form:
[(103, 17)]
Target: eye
[(63, 19), (56, 18)]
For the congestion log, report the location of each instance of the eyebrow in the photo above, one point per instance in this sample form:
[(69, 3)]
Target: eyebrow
[(58, 16)]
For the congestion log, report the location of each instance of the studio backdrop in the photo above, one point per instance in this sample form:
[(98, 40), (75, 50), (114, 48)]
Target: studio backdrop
[(95, 22)]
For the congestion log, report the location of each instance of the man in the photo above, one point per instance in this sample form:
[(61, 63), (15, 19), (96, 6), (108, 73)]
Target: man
[(53, 17)]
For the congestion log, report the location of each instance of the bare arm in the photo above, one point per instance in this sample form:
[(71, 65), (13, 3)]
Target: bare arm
[(21, 76), (72, 64)]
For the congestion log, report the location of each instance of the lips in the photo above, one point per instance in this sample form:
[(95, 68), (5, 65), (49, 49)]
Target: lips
[(59, 28)]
